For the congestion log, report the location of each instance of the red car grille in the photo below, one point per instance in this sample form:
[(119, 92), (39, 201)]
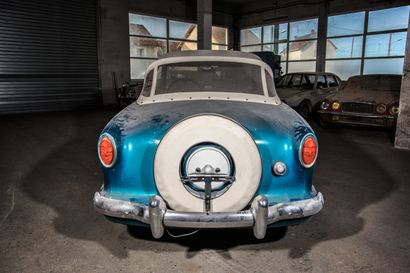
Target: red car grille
[(357, 107)]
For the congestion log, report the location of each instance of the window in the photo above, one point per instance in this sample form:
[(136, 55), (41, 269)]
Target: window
[(146, 91), (385, 45), (344, 44), (303, 30), (389, 19), (383, 66), (354, 48), (295, 42), (343, 68), (346, 24), (150, 37), (251, 48), (384, 52), (308, 82), (269, 85), (251, 36), (301, 66), (295, 81), (284, 81), (209, 77), (332, 81), (219, 38), (321, 82), (344, 48)]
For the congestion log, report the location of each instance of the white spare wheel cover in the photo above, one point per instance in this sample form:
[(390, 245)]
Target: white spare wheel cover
[(212, 129)]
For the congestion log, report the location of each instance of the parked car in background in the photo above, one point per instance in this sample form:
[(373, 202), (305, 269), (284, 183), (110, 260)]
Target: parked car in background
[(208, 144), (371, 100), (305, 91)]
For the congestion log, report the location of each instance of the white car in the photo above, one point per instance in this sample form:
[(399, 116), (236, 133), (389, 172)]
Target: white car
[(305, 91)]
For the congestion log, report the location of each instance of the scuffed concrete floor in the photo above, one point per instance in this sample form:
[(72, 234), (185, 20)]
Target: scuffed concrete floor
[(49, 172)]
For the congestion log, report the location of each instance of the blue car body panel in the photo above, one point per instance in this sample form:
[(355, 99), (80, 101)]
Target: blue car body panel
[(138, 130)]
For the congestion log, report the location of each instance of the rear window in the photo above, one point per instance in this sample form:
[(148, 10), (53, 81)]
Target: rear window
[(209, 77)]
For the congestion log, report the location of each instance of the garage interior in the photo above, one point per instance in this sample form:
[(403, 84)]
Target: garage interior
[(63, 66)]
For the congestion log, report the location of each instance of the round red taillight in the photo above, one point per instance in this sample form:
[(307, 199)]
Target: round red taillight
[(308, 151), (106, 150)]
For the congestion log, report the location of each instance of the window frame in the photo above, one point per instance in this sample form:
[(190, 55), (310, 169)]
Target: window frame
[(168, 39), (364, 35), (286, 41)]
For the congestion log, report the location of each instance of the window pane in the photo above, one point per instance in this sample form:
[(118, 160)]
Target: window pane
[(251, 36), (349, 47), (219, 47), (302, 50), (346, 24), (321, 82), (308, 81), (303, 30), (147, 25), (278, 49), (220, 35), (332, 81), (283, 66), (343, 68), (146, 91), (295, 80), (138, 68), (390, 44), (283, 31), (269, 34), (147, 47), (284, 81), (182, 30), (209, 77), (269, 84), (383, 66), (251, 48), (181, 46), (387, 19), (301, 66)]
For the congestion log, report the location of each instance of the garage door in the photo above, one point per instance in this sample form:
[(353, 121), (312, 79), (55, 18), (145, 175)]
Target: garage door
[(48, 55)]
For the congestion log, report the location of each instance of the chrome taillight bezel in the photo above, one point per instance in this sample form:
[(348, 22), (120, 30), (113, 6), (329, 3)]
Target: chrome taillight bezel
[(300, 150), (112, 140)]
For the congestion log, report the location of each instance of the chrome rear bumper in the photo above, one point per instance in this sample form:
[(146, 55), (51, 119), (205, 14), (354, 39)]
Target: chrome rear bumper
[(259, 216)]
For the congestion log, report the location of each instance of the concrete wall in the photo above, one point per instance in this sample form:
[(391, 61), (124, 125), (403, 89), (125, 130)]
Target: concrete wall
[(403, 121), (114, 40)]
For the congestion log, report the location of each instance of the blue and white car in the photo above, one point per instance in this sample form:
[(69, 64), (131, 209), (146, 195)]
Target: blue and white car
[(208, 144)]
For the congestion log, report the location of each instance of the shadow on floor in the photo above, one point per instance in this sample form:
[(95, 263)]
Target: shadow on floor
[(349, 178)]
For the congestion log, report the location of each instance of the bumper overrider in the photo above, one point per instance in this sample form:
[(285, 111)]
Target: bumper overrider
[(259, 216)]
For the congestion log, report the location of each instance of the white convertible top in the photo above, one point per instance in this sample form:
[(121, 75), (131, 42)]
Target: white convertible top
[(209, 56)]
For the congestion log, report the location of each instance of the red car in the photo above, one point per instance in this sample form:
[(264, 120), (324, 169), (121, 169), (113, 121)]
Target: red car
[(370, 100)]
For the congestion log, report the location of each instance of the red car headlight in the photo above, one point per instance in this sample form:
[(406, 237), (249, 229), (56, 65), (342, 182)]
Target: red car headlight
[(107, 151), (308, 151)]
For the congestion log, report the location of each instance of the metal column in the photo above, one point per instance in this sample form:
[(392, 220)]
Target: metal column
[(204, 17)]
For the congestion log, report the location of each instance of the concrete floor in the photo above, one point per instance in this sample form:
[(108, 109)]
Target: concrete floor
[(49, 172)]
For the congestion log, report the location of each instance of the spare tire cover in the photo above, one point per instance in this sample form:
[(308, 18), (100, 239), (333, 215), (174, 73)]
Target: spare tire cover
[(207, 129)]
